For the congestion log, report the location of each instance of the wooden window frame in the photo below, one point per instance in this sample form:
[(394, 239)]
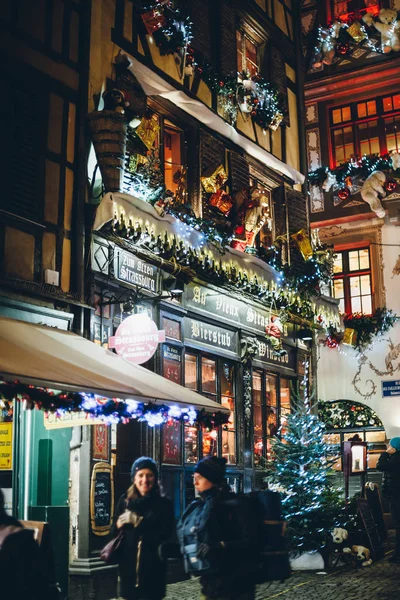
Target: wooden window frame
[(381, 117), (356, 10), (346, 275), (246, 36)]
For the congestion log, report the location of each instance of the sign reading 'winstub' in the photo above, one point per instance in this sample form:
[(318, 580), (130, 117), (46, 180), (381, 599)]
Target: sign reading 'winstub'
[(132, 270), (199, 297)]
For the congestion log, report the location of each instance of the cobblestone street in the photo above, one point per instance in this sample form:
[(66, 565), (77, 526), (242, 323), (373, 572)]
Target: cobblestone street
[(380, 581)]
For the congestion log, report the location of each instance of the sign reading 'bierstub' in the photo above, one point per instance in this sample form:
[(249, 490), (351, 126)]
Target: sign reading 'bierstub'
[(136, 339)]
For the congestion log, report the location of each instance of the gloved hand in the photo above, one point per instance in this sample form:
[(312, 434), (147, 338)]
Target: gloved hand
[(210, 551), (129, 518)]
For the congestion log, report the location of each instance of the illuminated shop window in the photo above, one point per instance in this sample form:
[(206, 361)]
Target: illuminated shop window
[(271, 406), (214, 378)]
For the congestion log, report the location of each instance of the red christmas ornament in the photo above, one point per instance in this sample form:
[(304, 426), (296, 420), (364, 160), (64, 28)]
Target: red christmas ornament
[(221, 84), (343, 193), (331, 342), (391, 185), (342, 48)]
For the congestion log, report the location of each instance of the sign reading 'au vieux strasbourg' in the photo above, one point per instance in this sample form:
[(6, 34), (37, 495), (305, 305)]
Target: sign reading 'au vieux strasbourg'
[(220, 305), (130, 269)]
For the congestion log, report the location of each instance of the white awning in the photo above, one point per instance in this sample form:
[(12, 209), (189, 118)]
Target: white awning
[(154, 85), (62, 360)]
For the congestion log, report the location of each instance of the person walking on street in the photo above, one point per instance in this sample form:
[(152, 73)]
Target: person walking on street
[(217, 527), (389, 464), (23, 574), (147, 519)]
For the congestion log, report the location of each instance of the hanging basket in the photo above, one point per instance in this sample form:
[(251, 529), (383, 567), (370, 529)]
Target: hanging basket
[(108, 130)]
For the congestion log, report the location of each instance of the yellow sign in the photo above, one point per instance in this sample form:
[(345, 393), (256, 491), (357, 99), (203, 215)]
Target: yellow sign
[(6, 430), (69, 419)]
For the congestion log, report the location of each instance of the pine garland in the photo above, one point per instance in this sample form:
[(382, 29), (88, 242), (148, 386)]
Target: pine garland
[(112, 410), (343, 414), (361, 168)]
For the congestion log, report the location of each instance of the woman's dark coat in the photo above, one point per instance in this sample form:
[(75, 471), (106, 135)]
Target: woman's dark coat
[(221, 517), (142, 572), (389, 464)]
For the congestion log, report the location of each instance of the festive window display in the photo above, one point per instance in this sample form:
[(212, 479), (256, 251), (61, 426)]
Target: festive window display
[(358, 28), (214, 378), (268, 412)]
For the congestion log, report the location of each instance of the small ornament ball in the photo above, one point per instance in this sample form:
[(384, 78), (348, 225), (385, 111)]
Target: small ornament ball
[(391, 185), (342, 48), (343, 193)]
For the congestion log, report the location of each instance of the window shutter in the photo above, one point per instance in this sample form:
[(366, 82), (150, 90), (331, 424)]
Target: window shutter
[(22, 160)]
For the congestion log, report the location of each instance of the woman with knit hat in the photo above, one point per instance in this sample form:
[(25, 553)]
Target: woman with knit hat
[(147, 519), (216, 536), (389, 464)]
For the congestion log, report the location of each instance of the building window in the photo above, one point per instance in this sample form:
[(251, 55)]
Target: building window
[(214, 378), (154, 159), (246, 54), (354, 9), (352, 284), (271, 405), (368, 127)]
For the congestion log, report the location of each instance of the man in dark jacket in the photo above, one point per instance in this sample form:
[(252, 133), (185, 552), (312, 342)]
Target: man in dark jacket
[(220, 529), (389, 464)]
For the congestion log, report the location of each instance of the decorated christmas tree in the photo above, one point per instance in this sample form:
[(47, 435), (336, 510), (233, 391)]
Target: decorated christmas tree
[(302, 471)]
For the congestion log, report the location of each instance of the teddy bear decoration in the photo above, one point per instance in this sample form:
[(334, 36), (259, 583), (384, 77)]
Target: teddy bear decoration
[(388, 26)]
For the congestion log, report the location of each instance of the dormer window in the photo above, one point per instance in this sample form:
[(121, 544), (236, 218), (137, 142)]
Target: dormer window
[(247, 59)]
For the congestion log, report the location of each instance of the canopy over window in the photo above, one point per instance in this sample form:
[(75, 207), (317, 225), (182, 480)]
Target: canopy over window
[(61, 360)]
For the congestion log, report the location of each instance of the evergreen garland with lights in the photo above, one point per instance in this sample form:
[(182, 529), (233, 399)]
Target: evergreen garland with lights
[(365, 327), (111, 410), (343, 414), (361, 168), (301, 469)]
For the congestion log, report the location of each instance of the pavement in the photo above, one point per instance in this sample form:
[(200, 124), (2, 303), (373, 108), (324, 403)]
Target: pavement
[(379, 581)]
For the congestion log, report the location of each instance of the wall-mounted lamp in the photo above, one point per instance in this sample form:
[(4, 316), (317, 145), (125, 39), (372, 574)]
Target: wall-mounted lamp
[(172, 286), (305, 334)]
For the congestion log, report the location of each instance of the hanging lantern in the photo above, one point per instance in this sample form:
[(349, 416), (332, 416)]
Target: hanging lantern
[(342, 48), (391, 185), (343, 193)]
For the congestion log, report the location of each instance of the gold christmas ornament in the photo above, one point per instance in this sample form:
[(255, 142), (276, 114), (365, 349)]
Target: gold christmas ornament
[(349, 336), (303, 243), (357, 32), (214, 179), (148, 131)]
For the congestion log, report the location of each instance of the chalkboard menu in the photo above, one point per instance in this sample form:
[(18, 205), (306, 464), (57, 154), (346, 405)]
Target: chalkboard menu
[(375, 542), (101, 499)]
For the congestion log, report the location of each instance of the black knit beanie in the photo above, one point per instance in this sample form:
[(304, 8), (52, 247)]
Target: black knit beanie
[(212, 468), (144, 462)]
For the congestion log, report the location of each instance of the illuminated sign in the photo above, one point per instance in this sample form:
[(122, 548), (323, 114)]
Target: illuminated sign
[(136, 339)]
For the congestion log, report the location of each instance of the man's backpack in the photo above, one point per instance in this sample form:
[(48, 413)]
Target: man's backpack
[(272, 562)]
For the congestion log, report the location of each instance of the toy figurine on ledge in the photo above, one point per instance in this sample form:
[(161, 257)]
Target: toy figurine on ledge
[(273, 332)]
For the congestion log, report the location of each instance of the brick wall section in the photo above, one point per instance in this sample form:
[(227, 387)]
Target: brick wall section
[(227, 38), (212, 154), (298, 219), (199, 11), (238, 171)]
